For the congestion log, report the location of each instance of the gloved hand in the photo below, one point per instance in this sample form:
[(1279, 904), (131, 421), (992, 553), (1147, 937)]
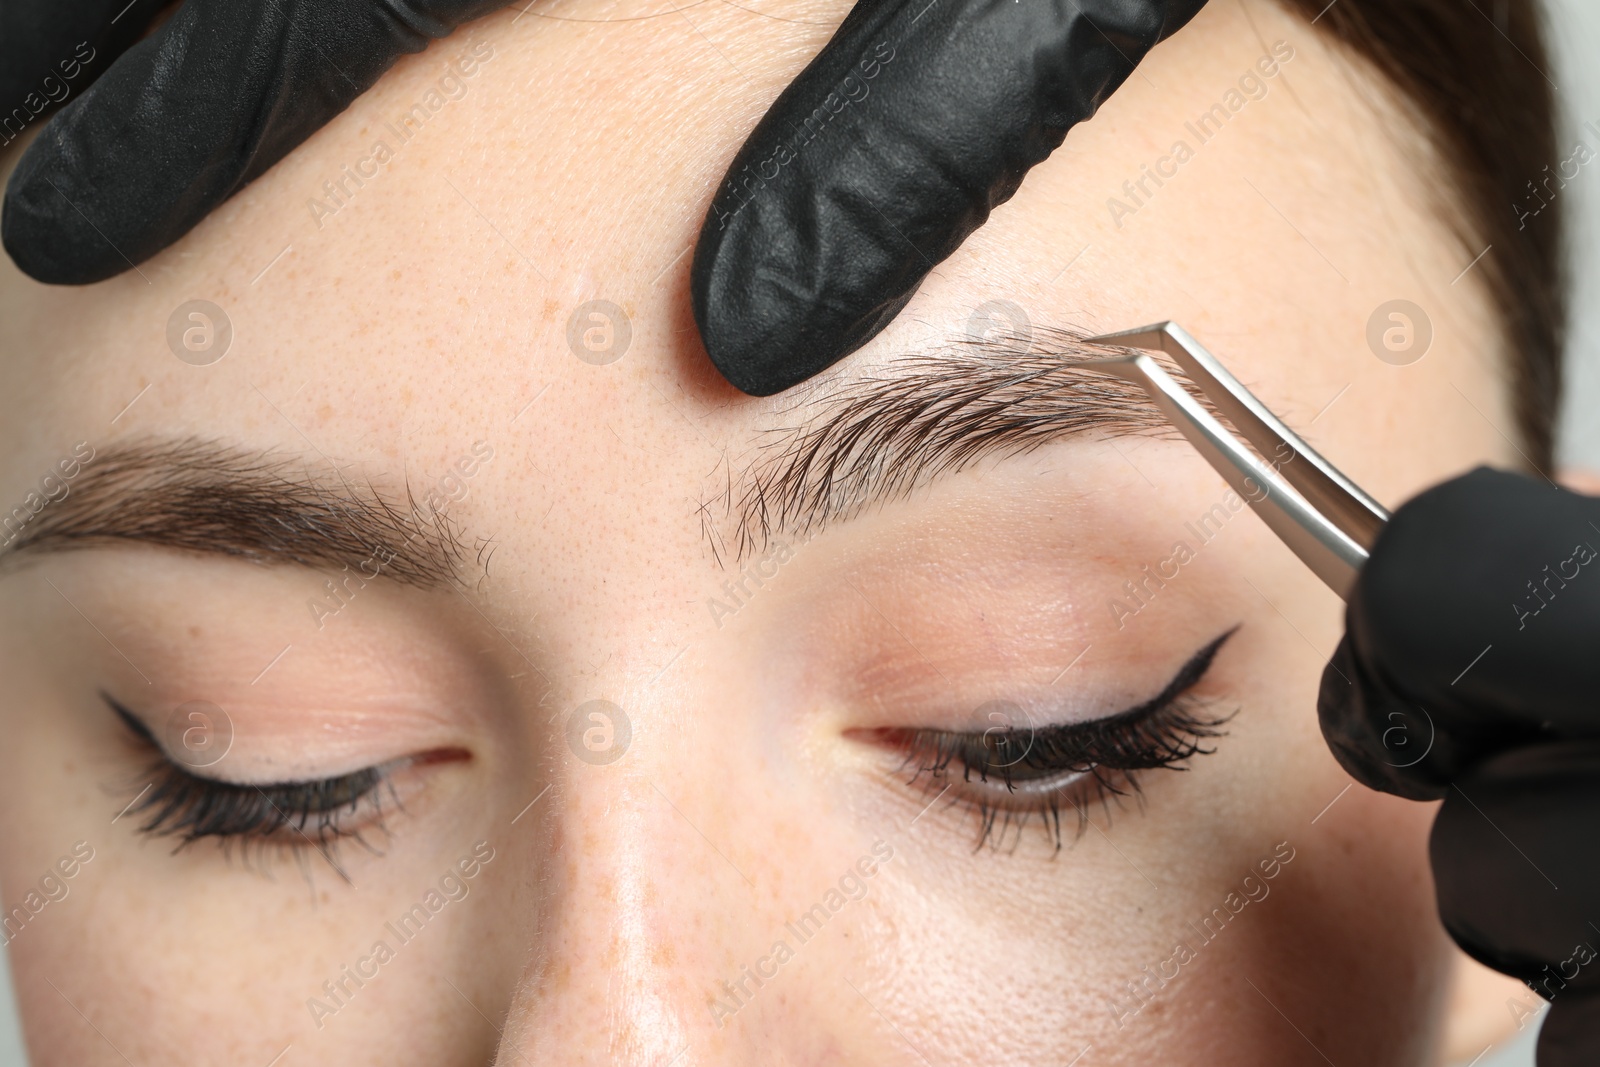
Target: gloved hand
[(918, 118), (181, 120), (1470, 671)]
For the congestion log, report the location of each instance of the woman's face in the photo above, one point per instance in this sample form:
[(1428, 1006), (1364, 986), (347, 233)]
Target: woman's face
[(649, 789)]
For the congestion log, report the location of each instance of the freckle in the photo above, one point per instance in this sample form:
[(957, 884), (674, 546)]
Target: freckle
[(550, 309), (664, 955), (324, 412), (394, 274), (194, 631)]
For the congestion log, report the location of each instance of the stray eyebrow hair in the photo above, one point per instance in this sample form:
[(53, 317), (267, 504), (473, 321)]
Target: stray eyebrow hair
[(204, 496), (875, 438)]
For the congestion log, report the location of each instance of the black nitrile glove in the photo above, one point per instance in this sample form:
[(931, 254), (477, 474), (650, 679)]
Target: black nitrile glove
[(1470, 671), (918, 118), (52, 51), (183, 119)]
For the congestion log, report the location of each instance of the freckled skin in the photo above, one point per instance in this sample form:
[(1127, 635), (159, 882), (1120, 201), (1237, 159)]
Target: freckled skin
[(423, 318)]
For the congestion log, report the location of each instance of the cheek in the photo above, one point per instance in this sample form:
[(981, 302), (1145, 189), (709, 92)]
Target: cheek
[(1358, 908)]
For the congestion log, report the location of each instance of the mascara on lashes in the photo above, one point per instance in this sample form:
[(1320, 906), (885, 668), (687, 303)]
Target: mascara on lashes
[(1079, 763), (188, 806)]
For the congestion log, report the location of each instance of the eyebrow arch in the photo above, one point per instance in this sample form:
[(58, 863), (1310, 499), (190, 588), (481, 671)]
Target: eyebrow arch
[(874, 439), (204, 496)]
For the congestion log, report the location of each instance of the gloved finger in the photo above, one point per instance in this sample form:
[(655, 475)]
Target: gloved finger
[(1515, 866), (190, 115), (50, 49), (891, 147), (1381, 739), (1570, 1033), (1475, 617)]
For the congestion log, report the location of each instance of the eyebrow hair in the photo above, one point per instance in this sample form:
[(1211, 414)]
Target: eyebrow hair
[(872, 439), (203, 496)]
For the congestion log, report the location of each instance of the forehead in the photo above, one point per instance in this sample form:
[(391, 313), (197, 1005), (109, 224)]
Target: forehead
[(493, 245)]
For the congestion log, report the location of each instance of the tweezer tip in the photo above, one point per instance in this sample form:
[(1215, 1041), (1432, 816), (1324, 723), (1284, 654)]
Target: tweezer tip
[(1147, 337)]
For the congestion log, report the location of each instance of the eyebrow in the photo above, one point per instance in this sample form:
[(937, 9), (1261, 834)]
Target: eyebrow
[(861, 441), (203, 496), (868, 440)]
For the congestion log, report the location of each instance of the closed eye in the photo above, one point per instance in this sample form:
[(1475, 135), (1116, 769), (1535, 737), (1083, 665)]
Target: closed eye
[(313, 813), (1011, 774)]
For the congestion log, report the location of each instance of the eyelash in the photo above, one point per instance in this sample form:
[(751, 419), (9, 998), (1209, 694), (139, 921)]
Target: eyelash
[(1080, 764), (294, 815)]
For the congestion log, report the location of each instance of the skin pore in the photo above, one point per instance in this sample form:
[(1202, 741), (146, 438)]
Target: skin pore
[(409, 334)]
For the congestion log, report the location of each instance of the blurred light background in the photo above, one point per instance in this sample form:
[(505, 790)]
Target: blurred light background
[(1577, 76)]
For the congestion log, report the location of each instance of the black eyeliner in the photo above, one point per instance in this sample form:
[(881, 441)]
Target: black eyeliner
[(1078, 763), (175, 802)]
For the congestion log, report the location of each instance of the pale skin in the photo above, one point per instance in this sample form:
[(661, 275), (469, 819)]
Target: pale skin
[(430, 313)]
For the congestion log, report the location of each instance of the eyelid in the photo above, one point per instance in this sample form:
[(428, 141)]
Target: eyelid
[(142, 731), (1061, 762), (287, 742), (1089, 731), (1187, 677), (314, 812)]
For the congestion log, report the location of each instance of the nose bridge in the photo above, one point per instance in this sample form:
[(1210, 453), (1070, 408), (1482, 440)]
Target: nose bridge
[(633, 918)]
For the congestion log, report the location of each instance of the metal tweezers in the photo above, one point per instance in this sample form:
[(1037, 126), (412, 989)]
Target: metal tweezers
[(1324, 517)]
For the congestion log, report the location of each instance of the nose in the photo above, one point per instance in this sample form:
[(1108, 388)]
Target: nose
[(640, 909)]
